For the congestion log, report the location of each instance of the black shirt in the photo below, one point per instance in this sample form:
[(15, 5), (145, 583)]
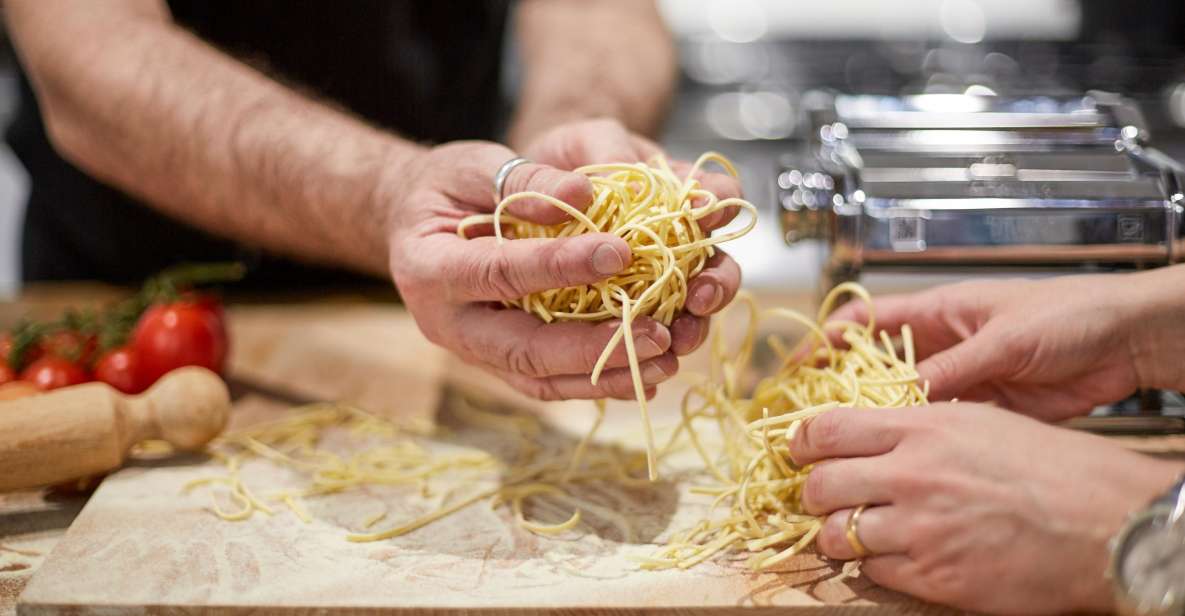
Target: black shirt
[(428, 70)]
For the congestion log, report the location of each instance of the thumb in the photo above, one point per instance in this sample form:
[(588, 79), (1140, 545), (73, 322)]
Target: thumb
[(960, 368)]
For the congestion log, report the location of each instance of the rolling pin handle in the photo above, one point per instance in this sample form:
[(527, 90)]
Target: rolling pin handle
[(187, 408)]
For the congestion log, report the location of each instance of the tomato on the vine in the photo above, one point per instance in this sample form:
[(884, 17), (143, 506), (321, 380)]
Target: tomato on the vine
[(70, 344), (188, 332), (52, 372), (119, 369)]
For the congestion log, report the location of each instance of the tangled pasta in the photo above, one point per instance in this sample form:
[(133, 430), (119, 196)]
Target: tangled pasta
[(757, 489), (651, 208), (739, 427), (381, 454)]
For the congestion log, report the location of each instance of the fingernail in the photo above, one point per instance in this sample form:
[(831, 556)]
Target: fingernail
[(646, 346), (708, 297), (653, 373), (606, 260)]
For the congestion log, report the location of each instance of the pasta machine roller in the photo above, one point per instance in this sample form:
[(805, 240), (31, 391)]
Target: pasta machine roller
[(956, 180)]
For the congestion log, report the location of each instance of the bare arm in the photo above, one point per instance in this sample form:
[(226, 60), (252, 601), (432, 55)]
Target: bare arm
[(143, 105), (592, 58)]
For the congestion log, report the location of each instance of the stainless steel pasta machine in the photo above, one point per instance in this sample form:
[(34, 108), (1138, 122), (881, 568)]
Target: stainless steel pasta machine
[(939, 182), (965, 181)]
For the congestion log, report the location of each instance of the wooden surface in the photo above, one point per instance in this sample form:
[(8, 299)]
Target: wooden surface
[(140, 546)]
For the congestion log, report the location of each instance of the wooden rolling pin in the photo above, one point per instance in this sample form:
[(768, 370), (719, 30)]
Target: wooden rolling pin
[(88, 429)]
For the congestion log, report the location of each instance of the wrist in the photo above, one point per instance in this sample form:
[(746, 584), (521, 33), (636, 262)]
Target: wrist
[(1146, 553), (399, 168), (1146, 479), (1157, 328)]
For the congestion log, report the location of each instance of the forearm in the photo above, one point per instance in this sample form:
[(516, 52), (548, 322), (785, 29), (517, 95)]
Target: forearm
[(592, 58), (145, 106), (1158, 328)]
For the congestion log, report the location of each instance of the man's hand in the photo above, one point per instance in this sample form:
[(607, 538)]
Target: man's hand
[(973, 506), (1052, 349), (591, 142), (452, 286)]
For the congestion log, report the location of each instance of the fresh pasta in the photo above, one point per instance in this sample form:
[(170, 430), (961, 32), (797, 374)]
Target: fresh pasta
[(756, 488), (651, 208)]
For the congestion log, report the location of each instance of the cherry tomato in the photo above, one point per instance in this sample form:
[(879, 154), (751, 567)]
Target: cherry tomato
[(52, 372), (118, 368), (183, 333)]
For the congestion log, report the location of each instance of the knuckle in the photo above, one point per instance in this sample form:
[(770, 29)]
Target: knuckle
[(824, 434), (831, 539), (496, 277), (943, 367), (546, 390), (556, 265), (816, 489), (522, 359), (948, 580), (525, 178)]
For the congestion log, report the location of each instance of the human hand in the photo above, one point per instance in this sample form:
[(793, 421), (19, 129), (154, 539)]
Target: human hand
[(453, 286), (973, 506), (589, 142), (1053, 349)]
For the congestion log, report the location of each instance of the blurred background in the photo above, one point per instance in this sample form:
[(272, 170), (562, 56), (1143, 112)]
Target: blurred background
[(749, 67)]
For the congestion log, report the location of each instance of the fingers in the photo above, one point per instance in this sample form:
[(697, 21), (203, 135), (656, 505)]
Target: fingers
[(517, 342), (715, 287), (688, 333), (617, 384), (846, 433), (897, 571), (879, 530), (591, 142), (961, 368), (645, 148), (840, 484), (892, 311), (483, 269), (722, 185), (472, 182)]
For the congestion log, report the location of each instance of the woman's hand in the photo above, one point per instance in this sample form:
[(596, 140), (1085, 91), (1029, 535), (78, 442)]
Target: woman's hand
[(453, 287), (1052, 349), (973, 506)]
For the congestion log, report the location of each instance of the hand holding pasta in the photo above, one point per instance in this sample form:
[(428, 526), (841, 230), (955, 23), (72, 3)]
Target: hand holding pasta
[(656, 213), (452, 286), (1053, 349), (974, 506)]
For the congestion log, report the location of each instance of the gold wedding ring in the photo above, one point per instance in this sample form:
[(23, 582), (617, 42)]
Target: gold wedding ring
[(851, 532), (502, 174)]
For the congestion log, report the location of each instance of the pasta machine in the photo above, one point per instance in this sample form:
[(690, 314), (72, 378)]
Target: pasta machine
[(936, 181), (955, 181)]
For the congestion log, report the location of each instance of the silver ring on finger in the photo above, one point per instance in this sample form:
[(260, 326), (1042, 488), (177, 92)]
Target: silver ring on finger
[(503, 173)]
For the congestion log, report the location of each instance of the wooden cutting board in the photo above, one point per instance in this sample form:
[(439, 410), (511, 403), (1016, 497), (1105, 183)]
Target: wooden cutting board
[(141, 546)]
